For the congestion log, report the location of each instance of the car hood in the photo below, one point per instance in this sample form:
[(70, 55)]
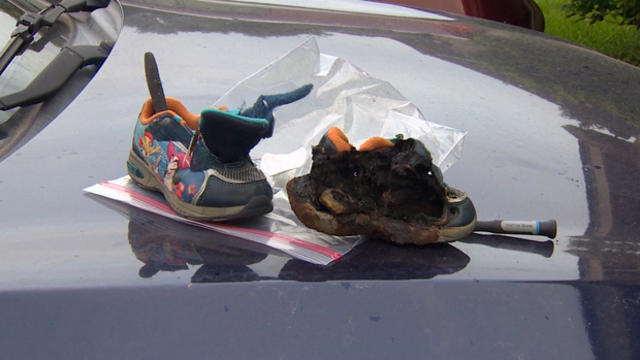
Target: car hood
[(552, 132)]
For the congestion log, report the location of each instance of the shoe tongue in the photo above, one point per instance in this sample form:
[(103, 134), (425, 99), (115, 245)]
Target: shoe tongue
[(230, 136), (154, 83)]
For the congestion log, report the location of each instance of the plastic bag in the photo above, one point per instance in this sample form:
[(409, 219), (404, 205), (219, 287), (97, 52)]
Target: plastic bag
[(257, 230), (344, 96)]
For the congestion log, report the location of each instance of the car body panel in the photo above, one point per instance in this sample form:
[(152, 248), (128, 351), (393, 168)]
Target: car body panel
[(552, 133), (523, 13)]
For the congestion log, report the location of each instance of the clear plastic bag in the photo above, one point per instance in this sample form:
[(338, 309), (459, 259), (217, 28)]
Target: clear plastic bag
[(344, 96)]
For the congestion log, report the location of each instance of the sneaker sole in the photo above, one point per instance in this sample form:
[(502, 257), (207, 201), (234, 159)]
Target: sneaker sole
[(145, 178), (449, 234), (301, 200)]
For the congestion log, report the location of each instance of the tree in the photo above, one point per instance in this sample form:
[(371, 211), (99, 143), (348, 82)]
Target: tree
[(623, 12)]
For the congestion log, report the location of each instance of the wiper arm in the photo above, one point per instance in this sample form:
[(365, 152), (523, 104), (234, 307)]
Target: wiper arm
[(56, 74), (30, 23)]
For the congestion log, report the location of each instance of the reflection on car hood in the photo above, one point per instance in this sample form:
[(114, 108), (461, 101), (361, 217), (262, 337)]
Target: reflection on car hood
[(53, 66), (527, 142), (359, 7), (552, 133)]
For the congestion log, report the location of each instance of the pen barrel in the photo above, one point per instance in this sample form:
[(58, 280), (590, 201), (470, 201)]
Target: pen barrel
[(546, 228)]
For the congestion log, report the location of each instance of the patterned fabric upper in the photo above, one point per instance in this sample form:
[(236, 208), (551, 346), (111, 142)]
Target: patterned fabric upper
[(164, 145)]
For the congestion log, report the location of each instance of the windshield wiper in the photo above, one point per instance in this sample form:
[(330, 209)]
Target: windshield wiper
[(30, 23), (56, 74)]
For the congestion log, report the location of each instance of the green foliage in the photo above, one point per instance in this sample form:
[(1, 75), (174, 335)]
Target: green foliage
[(618, 41), (623, 12)]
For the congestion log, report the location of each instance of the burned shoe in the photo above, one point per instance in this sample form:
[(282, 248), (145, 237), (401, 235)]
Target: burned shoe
[(388, 189), (201, 163)]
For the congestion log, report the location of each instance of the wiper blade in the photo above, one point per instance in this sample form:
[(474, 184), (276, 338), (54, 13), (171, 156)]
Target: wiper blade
[(30, 23), (56, 74)]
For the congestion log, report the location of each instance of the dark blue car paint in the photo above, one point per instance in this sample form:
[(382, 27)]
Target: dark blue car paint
[(552, 133)]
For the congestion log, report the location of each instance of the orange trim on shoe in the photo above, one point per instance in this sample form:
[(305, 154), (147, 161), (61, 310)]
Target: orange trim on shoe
[(146, 113), (375, 143), (339, 139), (175, 108), (193, 120)]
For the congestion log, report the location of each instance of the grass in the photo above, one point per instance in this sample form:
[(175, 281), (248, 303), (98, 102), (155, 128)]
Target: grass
[(620, 42)]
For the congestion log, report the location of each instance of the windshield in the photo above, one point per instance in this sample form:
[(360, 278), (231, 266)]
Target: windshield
[(18, 75), (50, 53)]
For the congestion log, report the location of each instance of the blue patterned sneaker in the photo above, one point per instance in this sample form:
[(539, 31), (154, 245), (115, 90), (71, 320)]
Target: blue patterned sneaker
[(201, 163)]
